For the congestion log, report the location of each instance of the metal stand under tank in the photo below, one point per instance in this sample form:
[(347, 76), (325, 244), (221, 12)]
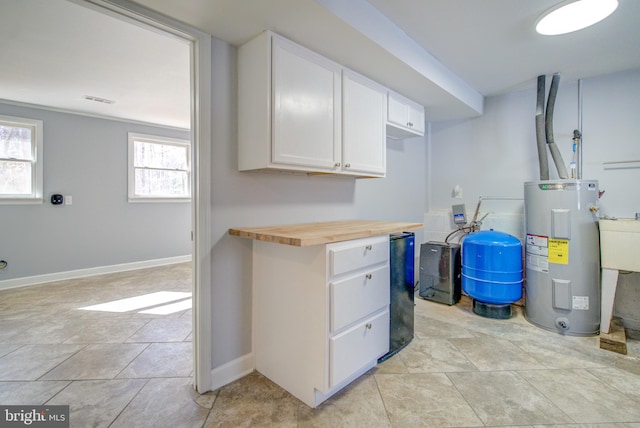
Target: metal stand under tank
[(490, 310), (562, 256)]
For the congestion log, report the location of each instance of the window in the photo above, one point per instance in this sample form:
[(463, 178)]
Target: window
[(20, 160), (159, 169)]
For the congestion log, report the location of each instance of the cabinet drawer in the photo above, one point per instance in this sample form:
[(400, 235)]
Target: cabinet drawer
[(357, 296), (354, 348), (360, 254)]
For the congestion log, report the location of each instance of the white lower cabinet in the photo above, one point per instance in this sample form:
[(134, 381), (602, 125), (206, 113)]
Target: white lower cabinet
[(320, 313)]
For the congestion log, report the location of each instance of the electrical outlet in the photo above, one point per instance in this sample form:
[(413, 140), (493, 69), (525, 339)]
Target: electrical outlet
[(68, 199)]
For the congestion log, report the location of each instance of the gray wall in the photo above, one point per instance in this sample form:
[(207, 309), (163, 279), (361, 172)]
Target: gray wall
[(86, 158), (253, 199), (496, 153)]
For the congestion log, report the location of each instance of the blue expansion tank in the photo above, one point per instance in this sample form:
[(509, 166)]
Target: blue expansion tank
[(492, 267)]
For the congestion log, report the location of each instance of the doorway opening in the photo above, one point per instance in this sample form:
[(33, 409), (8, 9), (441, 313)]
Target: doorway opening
[(200, 104)]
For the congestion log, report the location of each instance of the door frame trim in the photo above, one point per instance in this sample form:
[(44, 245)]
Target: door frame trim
[(200, 46)]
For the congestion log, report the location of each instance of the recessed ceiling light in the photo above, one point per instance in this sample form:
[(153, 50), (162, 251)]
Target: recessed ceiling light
[(574, 15), (98, 99)]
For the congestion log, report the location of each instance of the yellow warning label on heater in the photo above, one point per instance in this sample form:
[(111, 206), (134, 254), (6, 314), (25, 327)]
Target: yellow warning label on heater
[(559, 251)]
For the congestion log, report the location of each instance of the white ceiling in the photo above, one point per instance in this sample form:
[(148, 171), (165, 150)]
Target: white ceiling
[(446, 54), (55, 52)]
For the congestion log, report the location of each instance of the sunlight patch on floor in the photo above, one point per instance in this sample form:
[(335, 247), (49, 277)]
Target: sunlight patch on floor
[(151, 301), (169, 309)]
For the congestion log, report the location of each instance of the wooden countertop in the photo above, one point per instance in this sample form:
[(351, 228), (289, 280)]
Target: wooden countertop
[(306, 234)]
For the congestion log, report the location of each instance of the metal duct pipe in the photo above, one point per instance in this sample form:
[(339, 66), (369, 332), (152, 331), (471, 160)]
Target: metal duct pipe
[(555, 153), (579, 148), (540, 136)]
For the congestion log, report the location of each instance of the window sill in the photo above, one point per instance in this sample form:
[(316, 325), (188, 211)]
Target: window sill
[(21, 201), (159, 200)]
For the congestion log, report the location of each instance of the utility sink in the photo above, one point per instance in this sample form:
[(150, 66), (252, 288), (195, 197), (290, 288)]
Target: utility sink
[(620, 244), (619, 250)]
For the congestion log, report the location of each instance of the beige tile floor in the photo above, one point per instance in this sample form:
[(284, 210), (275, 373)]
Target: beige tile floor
[(133, 369)]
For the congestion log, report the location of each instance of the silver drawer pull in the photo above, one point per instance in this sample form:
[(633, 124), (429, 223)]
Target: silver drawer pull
[(368, 326), (368, 276), (368, 247)]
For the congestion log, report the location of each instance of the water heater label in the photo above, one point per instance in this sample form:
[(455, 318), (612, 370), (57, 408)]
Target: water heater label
[(537, 263), (537, 250), (559, 251), (537, 240), (580, 303)]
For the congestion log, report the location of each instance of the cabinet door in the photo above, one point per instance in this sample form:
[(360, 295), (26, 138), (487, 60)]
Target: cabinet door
[(398, 111), (306, 107), (363, 126), (405, 118), (416, 118)]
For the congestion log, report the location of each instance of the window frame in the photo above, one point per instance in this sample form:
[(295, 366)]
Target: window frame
[(36, 195), (132, 137)]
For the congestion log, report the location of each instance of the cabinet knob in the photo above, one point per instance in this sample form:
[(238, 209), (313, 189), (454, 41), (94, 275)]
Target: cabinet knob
[(347, 165), (368, 276), (410, 124), (337, 164), (368, 326), (368, 247)]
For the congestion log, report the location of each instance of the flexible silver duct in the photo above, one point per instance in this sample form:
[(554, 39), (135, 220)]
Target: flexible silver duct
[(540, 136), (553, 148)]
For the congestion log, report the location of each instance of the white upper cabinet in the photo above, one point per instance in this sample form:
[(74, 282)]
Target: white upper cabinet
[(405, 117), (295, 115), (306, 107), (363, 126)]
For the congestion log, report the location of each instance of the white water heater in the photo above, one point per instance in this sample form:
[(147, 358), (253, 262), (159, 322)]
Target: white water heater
[(562, 291)]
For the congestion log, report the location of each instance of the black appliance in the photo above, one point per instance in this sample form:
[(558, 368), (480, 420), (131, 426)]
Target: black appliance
[(401, 308), (440, 272)]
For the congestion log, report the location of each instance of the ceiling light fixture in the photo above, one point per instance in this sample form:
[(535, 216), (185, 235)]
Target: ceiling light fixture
[(98, 99), (574, 15)]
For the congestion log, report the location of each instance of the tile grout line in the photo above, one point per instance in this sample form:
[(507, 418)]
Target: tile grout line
[(132, 360), (129, 402), (384, 404), (62, 362), (517, 372)]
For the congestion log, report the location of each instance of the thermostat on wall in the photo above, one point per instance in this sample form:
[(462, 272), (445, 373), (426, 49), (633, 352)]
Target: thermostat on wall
[(57, 199)]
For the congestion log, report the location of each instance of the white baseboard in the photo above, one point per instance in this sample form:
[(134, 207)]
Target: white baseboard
[(80, 273), (233, 370)]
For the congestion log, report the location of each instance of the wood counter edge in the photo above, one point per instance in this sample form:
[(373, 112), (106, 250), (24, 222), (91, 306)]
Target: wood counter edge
[(326, 237)]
